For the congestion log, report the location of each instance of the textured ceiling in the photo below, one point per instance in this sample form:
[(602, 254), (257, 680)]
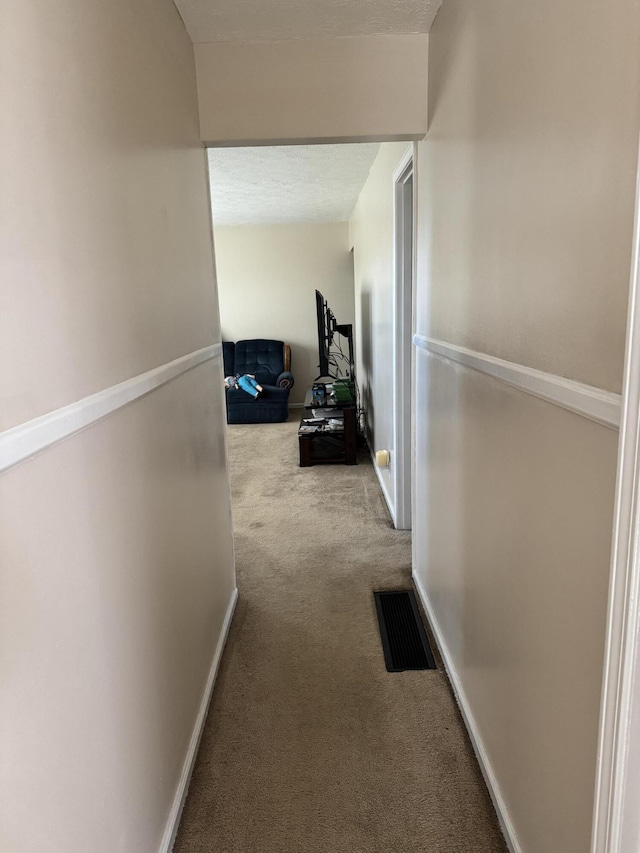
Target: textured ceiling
[(294, 183), (257, 20)]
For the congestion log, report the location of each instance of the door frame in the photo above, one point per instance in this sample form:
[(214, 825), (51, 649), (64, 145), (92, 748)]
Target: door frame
[(616, 818), (404, 243)]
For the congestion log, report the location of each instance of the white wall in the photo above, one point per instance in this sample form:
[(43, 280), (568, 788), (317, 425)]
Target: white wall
[(367, 87), (117, 564), (372, 237), (267, 278), (525, 206)]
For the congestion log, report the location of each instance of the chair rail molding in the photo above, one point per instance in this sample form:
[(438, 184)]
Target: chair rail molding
[(21, 442), (600, 406)]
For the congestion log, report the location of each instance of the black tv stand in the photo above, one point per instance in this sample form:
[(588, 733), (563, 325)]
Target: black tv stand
[(325, 446)]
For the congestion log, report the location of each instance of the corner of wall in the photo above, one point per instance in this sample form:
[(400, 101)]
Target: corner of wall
[(490, 778)]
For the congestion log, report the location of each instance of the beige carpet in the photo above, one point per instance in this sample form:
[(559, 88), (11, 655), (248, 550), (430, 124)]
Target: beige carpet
[(310, 745)]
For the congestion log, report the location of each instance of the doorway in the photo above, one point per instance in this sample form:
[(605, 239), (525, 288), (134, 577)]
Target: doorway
[(403, 335)]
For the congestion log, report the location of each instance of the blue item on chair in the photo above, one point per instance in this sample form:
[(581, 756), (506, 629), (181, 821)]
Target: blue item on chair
[(264, 359), (250, 385)]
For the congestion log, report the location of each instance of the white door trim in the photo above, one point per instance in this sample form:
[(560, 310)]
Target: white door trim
[(616, 825), (401, 457)]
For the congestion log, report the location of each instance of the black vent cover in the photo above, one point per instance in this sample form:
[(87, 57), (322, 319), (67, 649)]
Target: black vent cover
[(403, 636)]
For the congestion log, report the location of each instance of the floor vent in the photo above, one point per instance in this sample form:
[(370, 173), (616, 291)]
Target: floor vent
[(404, 640)]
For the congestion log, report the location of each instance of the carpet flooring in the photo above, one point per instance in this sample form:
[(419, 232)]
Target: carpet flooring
[(310, 746)]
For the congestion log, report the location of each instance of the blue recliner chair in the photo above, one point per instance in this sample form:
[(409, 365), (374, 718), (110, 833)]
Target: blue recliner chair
[(270, 363)]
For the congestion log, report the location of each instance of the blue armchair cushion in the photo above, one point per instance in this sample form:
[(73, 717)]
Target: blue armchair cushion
[(261, 358), (272, 406)]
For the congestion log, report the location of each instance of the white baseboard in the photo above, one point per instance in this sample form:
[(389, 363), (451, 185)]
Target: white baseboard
[(504, 818), (171, 829), (383, 486)]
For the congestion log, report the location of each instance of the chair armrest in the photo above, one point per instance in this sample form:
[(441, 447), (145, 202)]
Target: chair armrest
[(285, 380)]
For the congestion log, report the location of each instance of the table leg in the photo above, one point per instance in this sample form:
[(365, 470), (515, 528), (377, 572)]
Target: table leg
[(305, 452), (350, 437)]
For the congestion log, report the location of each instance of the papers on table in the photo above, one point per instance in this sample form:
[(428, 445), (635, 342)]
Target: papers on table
[(328, 412), (325, 424)]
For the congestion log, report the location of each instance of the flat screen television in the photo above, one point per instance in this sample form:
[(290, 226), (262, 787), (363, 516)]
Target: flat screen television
[(333, 361)]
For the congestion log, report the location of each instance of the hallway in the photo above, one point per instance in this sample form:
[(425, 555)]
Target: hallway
[(310, 745)]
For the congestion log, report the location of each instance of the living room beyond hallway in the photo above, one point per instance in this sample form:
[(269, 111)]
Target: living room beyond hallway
[(311, 746)]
